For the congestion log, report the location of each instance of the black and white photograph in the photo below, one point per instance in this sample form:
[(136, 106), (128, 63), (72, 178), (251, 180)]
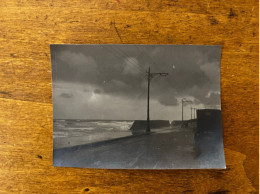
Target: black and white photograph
[(137, 106)]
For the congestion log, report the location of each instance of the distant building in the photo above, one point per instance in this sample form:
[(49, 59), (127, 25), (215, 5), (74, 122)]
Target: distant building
[(176, 123), (209, 119), (139, 126), (208, 134), (188, 124)]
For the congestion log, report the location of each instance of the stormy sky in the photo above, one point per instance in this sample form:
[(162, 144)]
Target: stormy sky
[(109, 81)]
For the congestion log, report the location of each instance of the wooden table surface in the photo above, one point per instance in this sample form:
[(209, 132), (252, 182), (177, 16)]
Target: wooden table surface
[(27, 28)]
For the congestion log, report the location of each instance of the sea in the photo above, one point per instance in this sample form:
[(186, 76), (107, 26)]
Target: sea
[(68, 132)]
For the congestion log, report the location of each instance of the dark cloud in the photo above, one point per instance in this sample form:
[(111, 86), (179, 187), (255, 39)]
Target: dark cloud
[(120, 70), (66, 95), (212, 100), (168, 100), (97, 91)]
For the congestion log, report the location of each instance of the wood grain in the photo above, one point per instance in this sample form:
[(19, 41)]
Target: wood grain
[(28, 27)]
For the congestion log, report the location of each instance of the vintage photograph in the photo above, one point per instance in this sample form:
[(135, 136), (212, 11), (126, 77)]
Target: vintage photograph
[(137, 106)]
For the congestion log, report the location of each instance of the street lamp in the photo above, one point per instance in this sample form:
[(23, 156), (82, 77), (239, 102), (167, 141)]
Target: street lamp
[(195, 113), (149, 77), (183, 100), (191, 109)]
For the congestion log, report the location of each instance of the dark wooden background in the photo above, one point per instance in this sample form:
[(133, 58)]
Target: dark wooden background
[(27, 28)]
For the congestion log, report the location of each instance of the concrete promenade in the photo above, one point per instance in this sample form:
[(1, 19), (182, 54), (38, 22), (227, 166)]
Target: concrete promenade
[(163, 149)]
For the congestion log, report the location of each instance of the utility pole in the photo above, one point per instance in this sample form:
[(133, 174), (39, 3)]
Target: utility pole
[(182, 102), (191, 109), (194, 113), (148, 102), (182, 110), (149, 78)]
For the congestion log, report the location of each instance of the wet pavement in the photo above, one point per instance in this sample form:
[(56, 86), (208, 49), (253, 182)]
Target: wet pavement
[(163, 149)]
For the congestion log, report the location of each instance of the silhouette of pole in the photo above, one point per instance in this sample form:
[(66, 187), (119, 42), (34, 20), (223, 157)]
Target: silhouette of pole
[(149, 78), (182, 102), (182, 110), (191, 109), (148, 103)]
